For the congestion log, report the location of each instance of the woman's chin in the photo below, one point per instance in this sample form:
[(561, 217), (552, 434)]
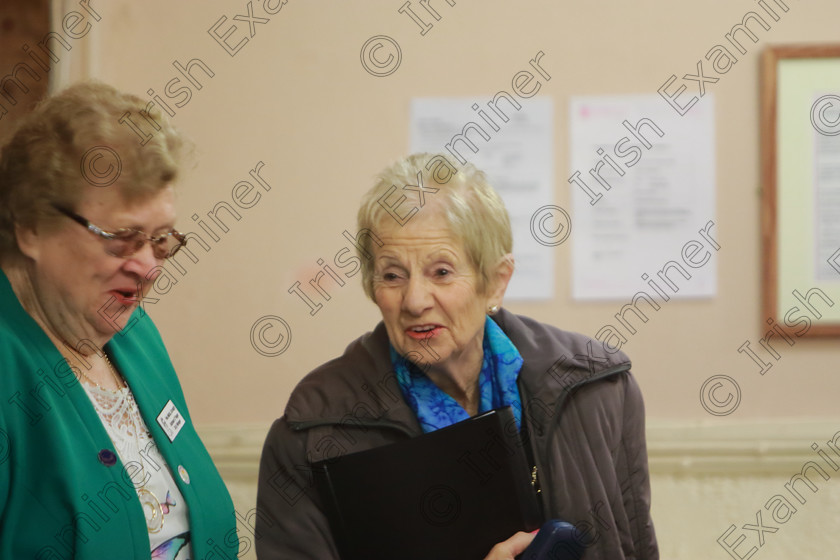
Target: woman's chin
[(106, 328), (422, 354)]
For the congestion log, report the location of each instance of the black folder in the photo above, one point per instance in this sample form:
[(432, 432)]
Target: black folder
[(449, 494)]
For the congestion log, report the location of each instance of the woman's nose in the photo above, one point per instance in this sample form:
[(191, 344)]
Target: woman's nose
[(143, 261), (418, 296)]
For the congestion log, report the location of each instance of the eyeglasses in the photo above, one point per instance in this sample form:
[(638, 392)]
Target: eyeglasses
[(125, 242)]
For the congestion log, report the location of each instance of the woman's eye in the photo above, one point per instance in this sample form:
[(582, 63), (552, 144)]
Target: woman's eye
[(443, 272), (389, 276), (126, 234)]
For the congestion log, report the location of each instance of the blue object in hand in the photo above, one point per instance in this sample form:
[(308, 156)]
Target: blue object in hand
[(555, 541)]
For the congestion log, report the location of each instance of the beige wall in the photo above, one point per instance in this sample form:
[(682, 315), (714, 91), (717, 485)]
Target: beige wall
[(296, 98)]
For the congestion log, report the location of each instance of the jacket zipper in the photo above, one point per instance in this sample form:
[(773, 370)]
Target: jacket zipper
[(535, 481)]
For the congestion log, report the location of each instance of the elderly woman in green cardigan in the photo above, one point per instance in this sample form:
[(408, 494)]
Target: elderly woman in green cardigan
[(98, 455)]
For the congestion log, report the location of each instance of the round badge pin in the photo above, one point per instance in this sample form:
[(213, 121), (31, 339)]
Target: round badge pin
[(185, 476)]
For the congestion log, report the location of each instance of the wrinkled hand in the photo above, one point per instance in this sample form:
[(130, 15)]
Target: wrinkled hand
[(507, 550)]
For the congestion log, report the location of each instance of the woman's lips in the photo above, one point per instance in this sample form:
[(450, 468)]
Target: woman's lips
[(125, 297), (423, 334)]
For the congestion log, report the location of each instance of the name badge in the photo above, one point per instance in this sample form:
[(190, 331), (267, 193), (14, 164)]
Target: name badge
[(170, 420)]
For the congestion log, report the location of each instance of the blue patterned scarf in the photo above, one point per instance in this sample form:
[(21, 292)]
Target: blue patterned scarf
[(497, 383)]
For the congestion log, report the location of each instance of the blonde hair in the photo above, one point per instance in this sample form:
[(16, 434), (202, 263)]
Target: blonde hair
[(42, 163), (474, 212)]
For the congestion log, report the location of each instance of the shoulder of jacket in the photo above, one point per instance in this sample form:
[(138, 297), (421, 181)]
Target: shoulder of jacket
[(339, 385), (548, 345)]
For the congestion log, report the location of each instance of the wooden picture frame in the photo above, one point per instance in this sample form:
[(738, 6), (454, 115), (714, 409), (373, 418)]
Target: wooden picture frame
[(800, 168)]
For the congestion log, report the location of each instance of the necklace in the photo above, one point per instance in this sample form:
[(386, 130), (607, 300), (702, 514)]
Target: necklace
[(124, 424), (153, 510), (113, 371), (150, 502)]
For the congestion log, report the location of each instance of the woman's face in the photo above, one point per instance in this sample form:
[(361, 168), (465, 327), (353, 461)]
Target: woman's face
[(82, 291), (427, 291)]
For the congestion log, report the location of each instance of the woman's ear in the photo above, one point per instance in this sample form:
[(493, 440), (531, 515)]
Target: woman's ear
[(499, 281), (28, 241)]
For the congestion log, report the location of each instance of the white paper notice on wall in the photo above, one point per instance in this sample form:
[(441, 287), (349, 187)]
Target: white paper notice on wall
[(643, 198), (515, 148)]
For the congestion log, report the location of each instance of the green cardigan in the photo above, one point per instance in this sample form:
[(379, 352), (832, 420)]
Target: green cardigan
[(59, 496)]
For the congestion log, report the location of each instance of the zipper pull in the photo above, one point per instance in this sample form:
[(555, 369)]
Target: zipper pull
[(535, 484)]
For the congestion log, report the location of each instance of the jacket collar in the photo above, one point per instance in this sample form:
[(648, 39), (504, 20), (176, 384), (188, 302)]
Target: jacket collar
[(555, 363), (556, 360), (361, 388)]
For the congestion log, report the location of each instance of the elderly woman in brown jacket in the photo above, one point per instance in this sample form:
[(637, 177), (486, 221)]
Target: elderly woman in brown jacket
[(445, 351)]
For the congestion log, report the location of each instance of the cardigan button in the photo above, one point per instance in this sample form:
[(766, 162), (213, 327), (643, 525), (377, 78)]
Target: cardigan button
[(185, 476), (107, 458)]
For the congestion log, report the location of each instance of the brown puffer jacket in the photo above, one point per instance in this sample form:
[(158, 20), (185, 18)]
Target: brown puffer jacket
[(587, 431)]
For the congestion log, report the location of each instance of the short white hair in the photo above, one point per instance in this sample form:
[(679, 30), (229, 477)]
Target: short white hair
[(474, 212)]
